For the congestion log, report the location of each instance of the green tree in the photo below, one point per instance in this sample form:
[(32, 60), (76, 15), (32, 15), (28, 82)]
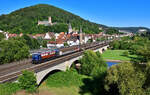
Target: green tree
[(27, 81), (126, 53), (44, 43), (31, 42), (2, 36), (144, 52), (92, 64), (12, 50), (125, 79), (112, 31), (115, 45), (66, 44)]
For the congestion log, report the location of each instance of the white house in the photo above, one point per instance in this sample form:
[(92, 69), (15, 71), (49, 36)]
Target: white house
[(1, 31), (72, 43), (56, 35), (47, 36), (86, 38)]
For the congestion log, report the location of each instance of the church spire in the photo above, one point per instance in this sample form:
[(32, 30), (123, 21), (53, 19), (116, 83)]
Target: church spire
[(81, 36), (69, 28)]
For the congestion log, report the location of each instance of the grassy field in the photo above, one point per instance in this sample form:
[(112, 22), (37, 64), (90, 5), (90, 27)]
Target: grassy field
[(63, 83), (117, 55), (8, 88), (70, 90)]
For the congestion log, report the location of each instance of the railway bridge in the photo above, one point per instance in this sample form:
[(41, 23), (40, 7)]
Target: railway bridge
[(62, 64)]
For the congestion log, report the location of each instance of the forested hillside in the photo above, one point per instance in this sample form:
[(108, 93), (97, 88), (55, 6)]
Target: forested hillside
[(132, 29), (25, 20)]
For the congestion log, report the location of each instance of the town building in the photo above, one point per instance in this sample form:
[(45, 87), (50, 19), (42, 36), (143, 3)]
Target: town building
[(49, 35)]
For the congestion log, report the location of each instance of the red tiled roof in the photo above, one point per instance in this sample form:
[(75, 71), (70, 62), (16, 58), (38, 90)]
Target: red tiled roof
[(38, 35), (58, 41), (12, 35)]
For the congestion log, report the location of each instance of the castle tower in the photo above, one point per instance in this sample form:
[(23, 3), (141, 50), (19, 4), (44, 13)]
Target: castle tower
[(81, 36), (50, 20), (69, 28)]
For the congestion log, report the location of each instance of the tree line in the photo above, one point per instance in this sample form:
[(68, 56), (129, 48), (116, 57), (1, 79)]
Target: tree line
[(17, 48)]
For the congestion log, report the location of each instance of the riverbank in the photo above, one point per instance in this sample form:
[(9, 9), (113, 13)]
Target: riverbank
[(116, 61)]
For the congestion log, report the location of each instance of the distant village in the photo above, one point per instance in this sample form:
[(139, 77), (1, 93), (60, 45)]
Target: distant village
[(71, 37)]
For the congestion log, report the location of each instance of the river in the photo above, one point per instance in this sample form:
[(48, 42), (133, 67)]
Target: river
[(111, 63)]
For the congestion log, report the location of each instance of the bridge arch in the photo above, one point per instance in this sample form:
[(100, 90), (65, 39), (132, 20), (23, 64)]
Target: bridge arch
[(61, 67), (49, 74), (103, 50), (40, 76)]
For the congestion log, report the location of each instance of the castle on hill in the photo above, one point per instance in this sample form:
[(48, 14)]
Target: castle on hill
[(46, 23)]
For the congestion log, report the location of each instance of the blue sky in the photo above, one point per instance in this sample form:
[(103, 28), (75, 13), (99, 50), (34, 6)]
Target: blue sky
[(108, 12)]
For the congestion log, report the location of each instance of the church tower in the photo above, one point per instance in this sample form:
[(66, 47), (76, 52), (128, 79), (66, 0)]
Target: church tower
[(50, 20), (69, 29), (81, 36)]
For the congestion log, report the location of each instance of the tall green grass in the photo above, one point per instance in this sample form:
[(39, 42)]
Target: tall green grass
[(8, 88), (65, 79)]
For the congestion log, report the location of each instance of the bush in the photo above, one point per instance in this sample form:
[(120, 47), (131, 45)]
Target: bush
[(28, 81), (126, 53)]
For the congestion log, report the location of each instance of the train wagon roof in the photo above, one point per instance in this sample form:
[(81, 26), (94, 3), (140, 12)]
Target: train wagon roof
[(42, 51)]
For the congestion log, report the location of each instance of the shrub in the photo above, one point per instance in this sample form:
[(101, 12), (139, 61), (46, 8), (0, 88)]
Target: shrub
[(126, 53), (28, 81)]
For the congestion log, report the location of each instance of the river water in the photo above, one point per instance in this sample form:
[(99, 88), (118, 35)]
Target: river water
[(111, 63)]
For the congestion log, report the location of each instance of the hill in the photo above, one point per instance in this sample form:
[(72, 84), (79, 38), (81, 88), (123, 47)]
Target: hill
[(132, 29), (25, 20)]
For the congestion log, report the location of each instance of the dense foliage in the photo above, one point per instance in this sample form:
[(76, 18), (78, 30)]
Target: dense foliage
[(127, 79), (27, 81), (12, 50), (92, 63), (32, 43), (136, 45), (130, 78), (25, 20), (112, 31), (2, 36)]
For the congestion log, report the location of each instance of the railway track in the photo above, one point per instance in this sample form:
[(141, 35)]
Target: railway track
[(15, 66), (6, 77)]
